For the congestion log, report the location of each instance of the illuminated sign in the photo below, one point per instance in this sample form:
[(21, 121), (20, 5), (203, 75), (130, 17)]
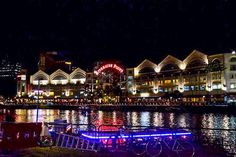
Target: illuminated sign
[(106, 66)]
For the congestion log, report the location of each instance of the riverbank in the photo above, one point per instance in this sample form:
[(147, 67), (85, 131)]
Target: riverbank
[(129, 107)]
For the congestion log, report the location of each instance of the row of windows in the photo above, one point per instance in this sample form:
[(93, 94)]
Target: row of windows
[(216, 76), (190, 88), (193, 88)]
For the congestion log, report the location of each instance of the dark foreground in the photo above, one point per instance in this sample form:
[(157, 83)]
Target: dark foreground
[(62, 152)]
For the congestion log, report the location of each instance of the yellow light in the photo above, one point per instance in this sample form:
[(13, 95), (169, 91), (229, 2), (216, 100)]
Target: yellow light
[(155, 90), (136, 71), (69, 63), (144, 94), (182, 66)]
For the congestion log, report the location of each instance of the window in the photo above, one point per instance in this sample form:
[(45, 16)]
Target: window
[(130, 72), (186, 80), (202, 79), (202, 87), (216, 86), (167, 89), (175, 80), (232, 67), (130, 78), (186, 88), (233, 59), (175, 88), (192, 87), (160, 89), (233, 85), (167, 81)]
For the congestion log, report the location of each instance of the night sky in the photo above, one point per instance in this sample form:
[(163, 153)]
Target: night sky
[(128, 30)]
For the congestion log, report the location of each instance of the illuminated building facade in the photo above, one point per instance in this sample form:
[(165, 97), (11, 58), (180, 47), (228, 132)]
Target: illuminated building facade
[(107, 82), (55, 79), (8, 69), (59, 84), (198, 78), (22, 90)]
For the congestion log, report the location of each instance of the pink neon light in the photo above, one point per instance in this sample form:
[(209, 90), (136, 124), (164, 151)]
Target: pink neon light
[(106, 66)]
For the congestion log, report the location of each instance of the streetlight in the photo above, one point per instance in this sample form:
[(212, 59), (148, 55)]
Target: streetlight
[(37, 109)]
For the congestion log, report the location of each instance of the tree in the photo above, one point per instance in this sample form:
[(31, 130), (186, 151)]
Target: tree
[(215, 66)]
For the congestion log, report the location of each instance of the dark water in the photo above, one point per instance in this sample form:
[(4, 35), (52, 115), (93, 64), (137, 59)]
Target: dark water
[(205, 120)]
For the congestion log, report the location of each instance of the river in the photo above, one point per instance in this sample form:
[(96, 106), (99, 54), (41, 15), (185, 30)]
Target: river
[(145, 118), (161, 119)]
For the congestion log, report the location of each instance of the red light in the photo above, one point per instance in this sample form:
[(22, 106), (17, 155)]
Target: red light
[(106, 66)]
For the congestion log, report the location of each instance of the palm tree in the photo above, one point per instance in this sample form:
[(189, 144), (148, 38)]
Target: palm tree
[(215, 66)]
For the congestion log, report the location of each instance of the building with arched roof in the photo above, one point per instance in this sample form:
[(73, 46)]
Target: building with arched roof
[(198, 78), (58, 84)]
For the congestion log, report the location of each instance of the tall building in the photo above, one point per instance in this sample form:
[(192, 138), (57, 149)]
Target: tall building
[(8, 73), (51, 61), (9, 69)]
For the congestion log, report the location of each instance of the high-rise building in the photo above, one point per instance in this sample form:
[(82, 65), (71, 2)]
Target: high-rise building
[(9, 69), (51, 61), (8, 73)]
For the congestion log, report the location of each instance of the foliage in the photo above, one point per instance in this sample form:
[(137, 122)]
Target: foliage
[(214, 67)]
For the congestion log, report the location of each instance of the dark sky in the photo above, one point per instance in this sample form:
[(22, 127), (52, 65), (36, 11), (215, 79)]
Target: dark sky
[(129, 30)]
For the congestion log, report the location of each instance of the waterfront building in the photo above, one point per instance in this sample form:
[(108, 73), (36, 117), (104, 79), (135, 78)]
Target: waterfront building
[(106, 83), (58, 84), (198, 78), (56, 79)]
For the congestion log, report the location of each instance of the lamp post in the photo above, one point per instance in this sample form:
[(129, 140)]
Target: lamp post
[(37, 109)]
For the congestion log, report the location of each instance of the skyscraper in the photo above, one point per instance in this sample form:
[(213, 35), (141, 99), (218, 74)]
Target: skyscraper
[(8, 73)]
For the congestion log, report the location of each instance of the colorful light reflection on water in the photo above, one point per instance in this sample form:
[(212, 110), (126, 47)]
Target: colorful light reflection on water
[(222, 121), (134, 118)]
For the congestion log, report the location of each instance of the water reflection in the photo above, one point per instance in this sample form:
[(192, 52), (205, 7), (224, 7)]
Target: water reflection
[(158, 119), (212, 121), (134, 119)]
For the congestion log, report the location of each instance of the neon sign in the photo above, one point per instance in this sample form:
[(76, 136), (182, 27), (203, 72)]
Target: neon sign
[(106, 66)]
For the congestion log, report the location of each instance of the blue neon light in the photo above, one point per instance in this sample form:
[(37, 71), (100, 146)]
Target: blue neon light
[(136, 136)]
